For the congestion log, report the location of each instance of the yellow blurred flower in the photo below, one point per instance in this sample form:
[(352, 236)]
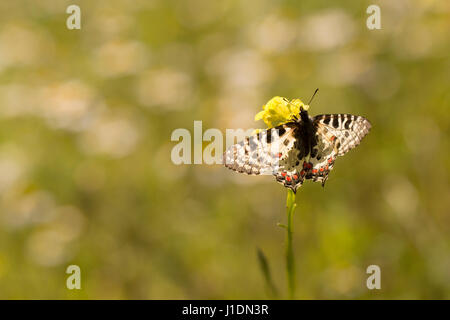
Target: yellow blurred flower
[(279, 110)]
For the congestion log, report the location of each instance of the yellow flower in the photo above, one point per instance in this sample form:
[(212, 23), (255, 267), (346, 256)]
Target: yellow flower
[(278, 111)]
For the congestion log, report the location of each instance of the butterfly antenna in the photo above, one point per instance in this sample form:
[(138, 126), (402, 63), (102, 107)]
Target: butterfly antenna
[(310, 100), (287, 101)]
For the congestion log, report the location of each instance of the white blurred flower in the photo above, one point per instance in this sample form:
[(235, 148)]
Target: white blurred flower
[(21, 210), (120, 58), (326, 30), (69, 220), (274, 34), (52, 244), (242, 102), (240, 68), (111, 135), (10, 172), (48, 248), (13, 167), (17, 100), (23, 46), (110, 23), (344, 68), (70, 105), (415, 41), (168, 88), (345, 281)]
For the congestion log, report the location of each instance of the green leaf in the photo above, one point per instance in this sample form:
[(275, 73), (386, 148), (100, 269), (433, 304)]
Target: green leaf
[(264, 265)]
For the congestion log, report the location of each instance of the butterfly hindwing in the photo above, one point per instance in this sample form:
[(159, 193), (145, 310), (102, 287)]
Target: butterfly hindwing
[(322, 156), (290, 172)]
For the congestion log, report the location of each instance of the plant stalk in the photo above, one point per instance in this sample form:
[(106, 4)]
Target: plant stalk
[(290, 262)]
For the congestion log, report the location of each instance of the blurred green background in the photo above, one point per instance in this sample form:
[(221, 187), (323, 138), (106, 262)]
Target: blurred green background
[(86, 176)]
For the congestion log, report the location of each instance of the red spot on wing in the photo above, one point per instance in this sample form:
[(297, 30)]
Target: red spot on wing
[(288, 178), (283, 174), (279, 155), (295, 177), (314, 171), (321, 169)]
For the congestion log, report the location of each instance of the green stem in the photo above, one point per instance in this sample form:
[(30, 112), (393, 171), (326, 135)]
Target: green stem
[(290, 262)]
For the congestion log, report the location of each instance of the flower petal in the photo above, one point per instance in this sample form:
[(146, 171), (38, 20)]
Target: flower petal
[(278, 111)]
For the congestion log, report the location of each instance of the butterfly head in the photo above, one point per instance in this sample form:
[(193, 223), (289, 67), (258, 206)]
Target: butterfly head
[(303, 115), (301, 107)]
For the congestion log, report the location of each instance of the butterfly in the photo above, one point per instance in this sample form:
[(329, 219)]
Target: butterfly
[(305, 148)]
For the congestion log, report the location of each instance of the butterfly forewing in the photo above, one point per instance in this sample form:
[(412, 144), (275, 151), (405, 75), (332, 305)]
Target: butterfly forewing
[(347, 129), (261, 153)]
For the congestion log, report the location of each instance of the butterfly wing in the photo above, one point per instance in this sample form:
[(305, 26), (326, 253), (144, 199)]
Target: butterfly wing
[(336, 134), (259, 153), (347, 129)]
